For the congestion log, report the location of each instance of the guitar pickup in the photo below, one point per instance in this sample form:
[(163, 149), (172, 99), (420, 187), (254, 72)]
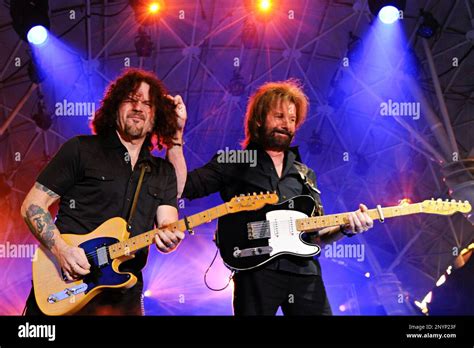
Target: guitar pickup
[(252, 251), (258, 230)]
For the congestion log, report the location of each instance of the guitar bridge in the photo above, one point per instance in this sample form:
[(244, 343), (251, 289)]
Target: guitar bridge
[(258, 230), (67, 293)]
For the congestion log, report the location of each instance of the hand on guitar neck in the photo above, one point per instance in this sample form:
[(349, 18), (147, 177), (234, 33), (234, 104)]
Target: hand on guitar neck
[(358, 221)]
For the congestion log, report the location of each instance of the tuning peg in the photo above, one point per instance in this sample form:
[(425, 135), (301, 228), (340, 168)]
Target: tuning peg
[(432, 198), (453, 201), (439, 200)]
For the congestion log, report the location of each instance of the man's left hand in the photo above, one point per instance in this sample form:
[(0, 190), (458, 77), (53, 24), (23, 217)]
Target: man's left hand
[(359, 221), (167, 241)]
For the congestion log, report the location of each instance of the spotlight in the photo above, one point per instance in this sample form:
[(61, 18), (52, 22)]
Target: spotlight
[(37, 35), (429, 25), (389, 14), (264, 5), (388, 11), (30, 19), (154, 7), (146, 11), (261, 9)]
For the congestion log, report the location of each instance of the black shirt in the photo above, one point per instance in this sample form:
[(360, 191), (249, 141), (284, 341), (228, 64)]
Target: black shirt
[(231, 179), (94, 177)]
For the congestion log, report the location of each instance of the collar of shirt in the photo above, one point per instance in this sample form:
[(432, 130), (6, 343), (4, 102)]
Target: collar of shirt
[(111, 140), (265, 161)]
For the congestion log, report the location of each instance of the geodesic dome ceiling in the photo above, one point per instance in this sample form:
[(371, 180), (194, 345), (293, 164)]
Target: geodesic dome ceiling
[(215, 54)]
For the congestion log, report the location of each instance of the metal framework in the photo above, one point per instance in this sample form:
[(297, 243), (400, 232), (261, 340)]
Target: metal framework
[(197, 57)]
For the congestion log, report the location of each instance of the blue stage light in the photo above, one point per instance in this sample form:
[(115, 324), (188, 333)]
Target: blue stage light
[(389, 14), (37, 35)]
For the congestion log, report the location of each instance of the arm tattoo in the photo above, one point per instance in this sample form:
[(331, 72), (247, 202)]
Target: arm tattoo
[(47, 190), (41, 224)]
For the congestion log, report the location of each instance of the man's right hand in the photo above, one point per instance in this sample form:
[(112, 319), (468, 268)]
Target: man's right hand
[(73, 261), (181, 113)]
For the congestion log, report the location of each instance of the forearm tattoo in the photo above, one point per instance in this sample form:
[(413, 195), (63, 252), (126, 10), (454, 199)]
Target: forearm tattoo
[(47, 190), (41, 224)]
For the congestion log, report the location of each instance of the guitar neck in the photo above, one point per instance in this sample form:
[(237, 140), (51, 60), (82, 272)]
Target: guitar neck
[(318, 222), (145, 239)]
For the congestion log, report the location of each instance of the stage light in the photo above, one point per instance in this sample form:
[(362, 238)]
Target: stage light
[(404, 201), (37, 35), (42, 118), (342, 308), (388, 11), (428, 26), (147, 293), (367, 274), (28, 17), (237, 85), (154, 7), (264, 5), (146, 12), (143, 43), (389, 14)]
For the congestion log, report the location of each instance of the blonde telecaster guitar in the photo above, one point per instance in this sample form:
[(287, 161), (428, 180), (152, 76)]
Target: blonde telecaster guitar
[(106, 248)]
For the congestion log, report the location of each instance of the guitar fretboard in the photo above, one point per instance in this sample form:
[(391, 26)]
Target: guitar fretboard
[(317, 222), (145, 239)]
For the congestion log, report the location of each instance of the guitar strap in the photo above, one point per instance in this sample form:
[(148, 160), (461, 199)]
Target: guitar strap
[(310, 185), (144, 167)]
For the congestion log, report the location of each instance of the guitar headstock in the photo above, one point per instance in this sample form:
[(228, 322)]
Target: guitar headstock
[(251, 202), (446, 207)]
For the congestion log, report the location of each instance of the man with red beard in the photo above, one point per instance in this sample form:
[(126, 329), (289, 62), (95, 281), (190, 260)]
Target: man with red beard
[(274, 113)]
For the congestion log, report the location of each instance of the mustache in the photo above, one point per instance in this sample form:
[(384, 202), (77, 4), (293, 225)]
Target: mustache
[(136, 114), (282, 131)]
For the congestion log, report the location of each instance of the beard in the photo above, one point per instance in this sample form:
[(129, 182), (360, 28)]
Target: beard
[(134, 129), (276, 139)]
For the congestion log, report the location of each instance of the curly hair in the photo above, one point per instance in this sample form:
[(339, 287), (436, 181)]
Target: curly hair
[(262, 101), (165, 121)]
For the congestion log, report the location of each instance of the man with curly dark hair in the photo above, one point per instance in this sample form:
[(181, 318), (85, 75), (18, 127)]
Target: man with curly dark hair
[(94, 178)]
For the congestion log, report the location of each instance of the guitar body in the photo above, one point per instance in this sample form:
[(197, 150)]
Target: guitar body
[(55, 296), (250, 239)]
